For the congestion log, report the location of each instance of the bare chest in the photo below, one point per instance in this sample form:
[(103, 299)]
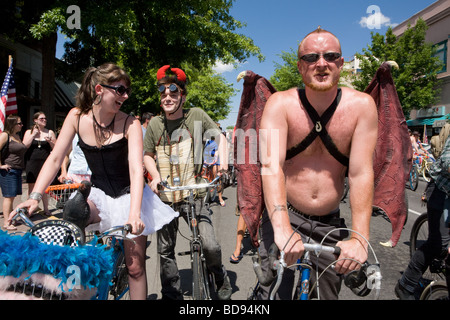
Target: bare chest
[(311, 133)]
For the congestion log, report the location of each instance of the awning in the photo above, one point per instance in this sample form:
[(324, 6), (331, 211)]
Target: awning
[(427, 121), (65, 95)]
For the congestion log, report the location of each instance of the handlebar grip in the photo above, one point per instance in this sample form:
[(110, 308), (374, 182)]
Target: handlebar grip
[(337, 251), (266, 278)]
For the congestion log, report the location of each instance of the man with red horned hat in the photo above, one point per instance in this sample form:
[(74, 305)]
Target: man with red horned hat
[(176, 139)]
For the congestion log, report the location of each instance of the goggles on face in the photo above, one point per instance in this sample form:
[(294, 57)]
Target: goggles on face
[(120, 90), (314, 57), (172, 88)]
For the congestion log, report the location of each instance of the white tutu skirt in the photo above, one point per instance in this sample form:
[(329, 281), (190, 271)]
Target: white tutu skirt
[(115, 211)]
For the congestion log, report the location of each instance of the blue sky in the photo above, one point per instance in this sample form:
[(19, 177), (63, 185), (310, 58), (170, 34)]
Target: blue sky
[(279, 25)]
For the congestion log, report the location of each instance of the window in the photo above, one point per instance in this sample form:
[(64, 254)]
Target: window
[(441, 53)]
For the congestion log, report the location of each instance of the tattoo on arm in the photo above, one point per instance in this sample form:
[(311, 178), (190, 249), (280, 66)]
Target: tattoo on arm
[(279, 207)]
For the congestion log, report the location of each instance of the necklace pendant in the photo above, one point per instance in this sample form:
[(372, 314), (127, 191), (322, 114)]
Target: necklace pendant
[(318, 126)]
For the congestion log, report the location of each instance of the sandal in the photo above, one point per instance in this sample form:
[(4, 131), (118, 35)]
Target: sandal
[(47, 213), (43, 213), (234, 259)]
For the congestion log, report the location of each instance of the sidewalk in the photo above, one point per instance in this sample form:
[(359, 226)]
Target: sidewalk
[(57, 214)]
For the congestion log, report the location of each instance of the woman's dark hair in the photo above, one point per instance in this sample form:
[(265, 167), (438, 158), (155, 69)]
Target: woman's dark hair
[(107, 73), (10, 123)]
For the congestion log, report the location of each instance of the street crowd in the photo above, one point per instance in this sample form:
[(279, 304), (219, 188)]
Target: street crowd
[(316, 150)]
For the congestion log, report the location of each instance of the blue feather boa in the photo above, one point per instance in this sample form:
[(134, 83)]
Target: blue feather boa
[(19, 254)]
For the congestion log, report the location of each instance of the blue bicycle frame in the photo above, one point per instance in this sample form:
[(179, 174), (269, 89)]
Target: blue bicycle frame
[(104, 288), (305, 273)]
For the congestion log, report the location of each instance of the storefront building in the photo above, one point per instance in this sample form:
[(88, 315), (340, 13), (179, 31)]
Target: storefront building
[(437, 18)]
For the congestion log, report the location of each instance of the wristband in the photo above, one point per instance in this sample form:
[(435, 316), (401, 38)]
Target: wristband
[(35, 196)]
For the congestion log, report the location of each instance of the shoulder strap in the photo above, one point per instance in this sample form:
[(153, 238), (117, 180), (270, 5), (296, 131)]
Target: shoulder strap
[(319, 129), (125, 125)]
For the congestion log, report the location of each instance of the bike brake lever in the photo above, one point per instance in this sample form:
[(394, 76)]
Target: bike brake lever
[(163, 184), (356, 278)]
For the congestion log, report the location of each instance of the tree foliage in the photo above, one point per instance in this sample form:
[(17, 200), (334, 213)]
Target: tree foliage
[(145, 35), (211, 92), (142, 36), (286, 75), (416, 80)]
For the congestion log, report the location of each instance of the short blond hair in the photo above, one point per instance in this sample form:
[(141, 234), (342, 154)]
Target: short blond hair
[(319, 30)]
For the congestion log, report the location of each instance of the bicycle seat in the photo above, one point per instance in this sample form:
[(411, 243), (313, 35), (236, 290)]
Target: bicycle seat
[(58, 232)]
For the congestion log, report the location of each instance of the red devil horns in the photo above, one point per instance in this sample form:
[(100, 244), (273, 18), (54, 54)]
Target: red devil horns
[(162, 72), (178, 72)]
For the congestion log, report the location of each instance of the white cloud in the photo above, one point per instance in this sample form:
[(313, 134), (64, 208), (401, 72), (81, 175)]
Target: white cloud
[(221, 67), (376, 19)]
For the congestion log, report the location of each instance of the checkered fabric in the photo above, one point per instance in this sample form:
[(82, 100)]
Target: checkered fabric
[(55, 234)]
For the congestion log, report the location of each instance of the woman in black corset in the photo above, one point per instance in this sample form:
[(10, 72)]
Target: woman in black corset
[(43, 141), (112, 143)]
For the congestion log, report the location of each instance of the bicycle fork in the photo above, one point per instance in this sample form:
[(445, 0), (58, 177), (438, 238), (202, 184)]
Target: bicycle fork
[(305, 275)]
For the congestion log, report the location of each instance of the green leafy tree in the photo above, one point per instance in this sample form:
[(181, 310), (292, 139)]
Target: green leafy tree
[(141, 36), (286, 75), (210, 92), (416, 79)]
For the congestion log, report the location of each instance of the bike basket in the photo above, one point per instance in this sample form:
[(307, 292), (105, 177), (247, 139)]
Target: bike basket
[(61, 193), (58, 232)]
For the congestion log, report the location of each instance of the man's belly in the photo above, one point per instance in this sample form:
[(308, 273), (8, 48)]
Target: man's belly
[(315, 193)]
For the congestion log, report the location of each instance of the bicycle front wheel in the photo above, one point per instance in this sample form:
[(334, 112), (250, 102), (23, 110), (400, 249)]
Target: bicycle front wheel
[(119, 290), (419, 233), (413, 178), (199, 283), (436, 290)]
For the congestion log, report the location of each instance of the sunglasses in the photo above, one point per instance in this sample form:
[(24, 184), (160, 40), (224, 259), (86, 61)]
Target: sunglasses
[(172, 88), (314, 57), (120, 90)]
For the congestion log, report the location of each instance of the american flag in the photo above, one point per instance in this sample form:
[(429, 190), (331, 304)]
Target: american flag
[(9, 103)]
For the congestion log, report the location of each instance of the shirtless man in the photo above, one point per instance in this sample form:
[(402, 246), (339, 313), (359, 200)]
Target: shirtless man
[(305, 184)]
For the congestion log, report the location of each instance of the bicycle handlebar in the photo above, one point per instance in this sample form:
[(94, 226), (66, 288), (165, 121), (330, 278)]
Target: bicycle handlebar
[(111, 232), (22, 214), (367, 277), (188, 187), (278, 264)]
